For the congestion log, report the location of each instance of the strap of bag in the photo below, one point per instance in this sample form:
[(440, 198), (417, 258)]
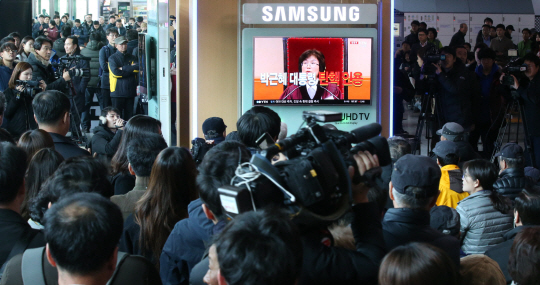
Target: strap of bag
[(32, 267), (19, 247), (119, 260)]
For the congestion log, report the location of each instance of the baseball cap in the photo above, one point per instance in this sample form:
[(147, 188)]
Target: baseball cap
[(510, 27), (417, 171), (445, 220), (510, 150), (213, 127), (120, 40), (452, 131), (444, 148)]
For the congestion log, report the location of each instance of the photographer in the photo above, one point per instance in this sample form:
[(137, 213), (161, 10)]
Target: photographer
[(79, 83), (19, 113), (42, 68), (458, 92), (530, 94)]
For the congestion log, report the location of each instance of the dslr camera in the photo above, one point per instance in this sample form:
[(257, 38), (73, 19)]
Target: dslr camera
[(65, 62), (515, 67), (30, 88)]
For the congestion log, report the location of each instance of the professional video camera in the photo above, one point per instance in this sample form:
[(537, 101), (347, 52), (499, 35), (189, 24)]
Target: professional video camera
[(515, 67), (315, 185), (30, 88), (432, 56), (65, 62)]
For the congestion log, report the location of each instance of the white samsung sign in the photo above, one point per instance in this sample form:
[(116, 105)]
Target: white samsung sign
[(309, 14)]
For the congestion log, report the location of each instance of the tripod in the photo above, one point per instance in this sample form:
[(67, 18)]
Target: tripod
[(427, 117), (81, 136), (505, 128)]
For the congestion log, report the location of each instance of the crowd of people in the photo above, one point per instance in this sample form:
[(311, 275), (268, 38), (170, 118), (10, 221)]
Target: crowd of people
[(470, 86), (129, 209)]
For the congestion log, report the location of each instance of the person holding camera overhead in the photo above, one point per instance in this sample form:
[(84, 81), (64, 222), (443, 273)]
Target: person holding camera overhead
[(42, 68), (19, 112)]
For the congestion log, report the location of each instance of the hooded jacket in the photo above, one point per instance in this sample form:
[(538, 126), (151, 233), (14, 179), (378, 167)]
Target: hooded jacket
[(511, 182), (42, 70), (482, 226), (185, 246)]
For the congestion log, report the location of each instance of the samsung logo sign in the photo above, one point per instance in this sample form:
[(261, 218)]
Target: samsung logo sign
[(309, 14)]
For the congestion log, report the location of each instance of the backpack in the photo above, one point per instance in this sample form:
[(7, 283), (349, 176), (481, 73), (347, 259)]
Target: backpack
[(199, 149)]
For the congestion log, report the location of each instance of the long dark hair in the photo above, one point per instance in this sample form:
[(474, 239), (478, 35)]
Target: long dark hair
[(23, 42), (170, 190), (34, 141), (41, 167), (486, 173), (138, 125)]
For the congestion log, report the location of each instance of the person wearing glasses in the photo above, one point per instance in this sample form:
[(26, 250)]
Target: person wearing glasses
[(312, 61), (8, 51)]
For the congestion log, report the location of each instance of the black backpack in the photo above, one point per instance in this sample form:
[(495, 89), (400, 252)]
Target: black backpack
[(199, 149)]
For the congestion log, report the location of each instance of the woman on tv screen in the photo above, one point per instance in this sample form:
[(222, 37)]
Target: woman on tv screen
[(312, 62)]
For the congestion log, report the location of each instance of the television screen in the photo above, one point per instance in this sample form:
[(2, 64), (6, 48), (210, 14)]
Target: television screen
[(312, 71)]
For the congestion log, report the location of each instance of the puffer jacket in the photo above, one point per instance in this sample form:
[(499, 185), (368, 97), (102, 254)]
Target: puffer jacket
[(58, 47), (482, 226), (511, 182), (92, 51)]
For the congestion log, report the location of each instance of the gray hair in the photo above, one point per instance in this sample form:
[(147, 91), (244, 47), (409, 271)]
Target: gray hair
[(409, 201)]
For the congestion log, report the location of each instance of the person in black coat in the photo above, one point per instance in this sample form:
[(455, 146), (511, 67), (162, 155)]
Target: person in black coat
[(123, 69), (414, 189), (42, 68), (458, 39), (512, 176), (133, 40), (108, 133), (19, 114), (412, 38), (526, 214), (104, 55)]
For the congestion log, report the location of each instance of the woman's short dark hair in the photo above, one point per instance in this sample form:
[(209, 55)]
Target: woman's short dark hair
[(487, 173), (523, 263), (138, 125), (419, 264), (315, 53), (434, 31), (41, 167), (74, 175), (39, 41), (19, 68), (35, 140)]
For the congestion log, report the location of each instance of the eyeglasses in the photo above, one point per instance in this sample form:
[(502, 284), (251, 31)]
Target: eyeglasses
[(10, 51), (309, 64)]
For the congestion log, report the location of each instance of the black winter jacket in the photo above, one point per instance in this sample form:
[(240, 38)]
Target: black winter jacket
[(42, 70), (58, 47), (79, 83), (511, 182), (19, 113), (459, 94), (92, 51), (531, 99), (123, 81), (104, 141), (404, 225)]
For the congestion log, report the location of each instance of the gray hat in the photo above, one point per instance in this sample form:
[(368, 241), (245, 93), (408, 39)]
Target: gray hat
[(417, 171), (120, 40), (444, 148), (510, 150), (452, 132)]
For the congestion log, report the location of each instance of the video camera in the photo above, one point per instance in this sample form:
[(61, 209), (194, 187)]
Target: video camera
[(31, 88), (314, 185), (432, 56), (515, 67), (65, 62)]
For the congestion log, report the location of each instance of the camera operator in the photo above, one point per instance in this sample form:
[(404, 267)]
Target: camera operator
[(530, 94), (458, 92), (80, 83), (19, 112), (42, 68)]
